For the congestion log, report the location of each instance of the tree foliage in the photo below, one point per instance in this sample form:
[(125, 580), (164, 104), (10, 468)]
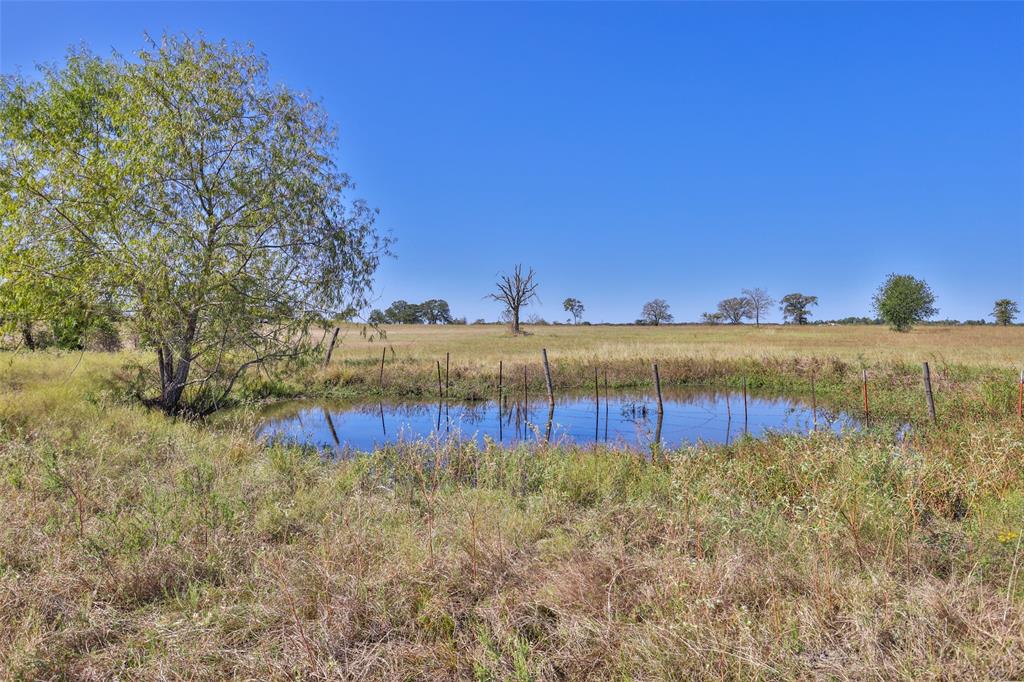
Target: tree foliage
[(795, 307), (656, 312), (574, 307), (403, 312), (433, 311), (712, 318), (1005, 311), (200, 200), (903, 301), (735, 309)]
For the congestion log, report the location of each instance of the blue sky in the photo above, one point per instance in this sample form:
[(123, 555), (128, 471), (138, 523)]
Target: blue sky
[(633, 151)]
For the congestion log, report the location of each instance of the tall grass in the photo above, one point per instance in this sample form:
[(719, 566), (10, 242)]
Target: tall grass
[(136, 547)]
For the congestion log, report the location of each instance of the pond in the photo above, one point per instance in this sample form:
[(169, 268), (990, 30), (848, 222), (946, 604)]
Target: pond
[(622, 418)]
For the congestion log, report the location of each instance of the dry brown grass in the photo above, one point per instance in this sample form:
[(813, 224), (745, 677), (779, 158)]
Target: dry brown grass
[(486, 344), (133, 547)]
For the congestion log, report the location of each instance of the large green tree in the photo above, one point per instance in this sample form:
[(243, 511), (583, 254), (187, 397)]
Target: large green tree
[(903, 301), (795, 306), (437, 311), (201, 200), (1005, 311)]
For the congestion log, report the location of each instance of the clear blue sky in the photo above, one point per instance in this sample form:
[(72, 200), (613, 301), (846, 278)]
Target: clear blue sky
[(634, 151)]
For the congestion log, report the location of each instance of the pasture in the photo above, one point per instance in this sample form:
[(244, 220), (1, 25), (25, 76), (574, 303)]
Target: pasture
[(137, 546), (484, 345)]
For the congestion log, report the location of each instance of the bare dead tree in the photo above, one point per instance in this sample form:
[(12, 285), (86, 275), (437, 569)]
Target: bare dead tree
[(515, 291), (760, 303)]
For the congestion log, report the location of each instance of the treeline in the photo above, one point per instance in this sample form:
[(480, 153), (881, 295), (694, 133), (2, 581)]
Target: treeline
[(433, 311), (880, 321)]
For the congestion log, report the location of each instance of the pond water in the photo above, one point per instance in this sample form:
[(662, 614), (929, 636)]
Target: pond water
[(622, 418)]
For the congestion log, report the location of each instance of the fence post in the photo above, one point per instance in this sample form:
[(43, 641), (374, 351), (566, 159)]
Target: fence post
[(547, 377), (814, 403), (928, 392), (440, 393), (864, 386), (383, 354), (744, 404), (501, 430), (657, 387), (606, 405), (1020, 396), (447, 357), (526, 400), (327, 355)]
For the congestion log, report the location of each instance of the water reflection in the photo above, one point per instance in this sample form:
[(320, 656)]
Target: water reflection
[(629, 418)]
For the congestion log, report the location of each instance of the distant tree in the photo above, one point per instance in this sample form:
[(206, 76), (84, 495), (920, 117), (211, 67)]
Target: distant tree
[(574, 307), (377, 317), (1005, 311), (903, 301), (656, 312), (516, 291), (794, 307), (760, 303), (537, 319), (853, 320), (712, 318), (736, 309), (436, 311), (403, 312)]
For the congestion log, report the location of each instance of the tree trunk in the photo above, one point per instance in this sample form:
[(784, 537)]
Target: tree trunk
[(26, 336), (175, 375), (515, 321), (175, 381)]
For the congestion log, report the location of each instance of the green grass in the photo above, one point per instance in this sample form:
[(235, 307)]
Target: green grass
[(137, 547)]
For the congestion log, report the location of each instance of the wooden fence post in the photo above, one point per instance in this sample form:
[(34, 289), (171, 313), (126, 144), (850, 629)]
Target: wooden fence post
[(440, 393), (547, 377), (526, 400), (551, 419), (657, 387), (447, 357), (383, 354), (928, 392), (864, 386), (744, 405), (814, 403), (327, 355)]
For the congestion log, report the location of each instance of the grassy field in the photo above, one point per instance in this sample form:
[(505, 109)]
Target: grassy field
[(484, 345), (133, 546)]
